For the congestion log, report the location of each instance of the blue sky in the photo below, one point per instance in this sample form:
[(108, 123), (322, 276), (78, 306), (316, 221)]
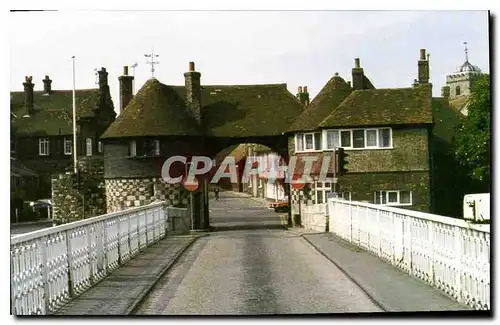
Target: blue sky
[(299, 48)]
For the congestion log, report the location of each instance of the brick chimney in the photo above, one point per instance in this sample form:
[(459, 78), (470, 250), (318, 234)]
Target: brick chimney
[(103, 79), (303, 95), (423, 68), (193, 92), (358, 76), (445, 92), (28, 95), (47, 88), (126, 94)]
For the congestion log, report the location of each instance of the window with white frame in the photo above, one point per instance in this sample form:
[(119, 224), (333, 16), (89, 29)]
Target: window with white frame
[(308, 141), (332, 139), (89, 146), (68, 146), (374, 138), (99, 147), (393, 197), (322, 189), (43, 146)]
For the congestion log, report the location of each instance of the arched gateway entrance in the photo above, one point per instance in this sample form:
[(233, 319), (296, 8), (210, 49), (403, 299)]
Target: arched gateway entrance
[(162, 121)]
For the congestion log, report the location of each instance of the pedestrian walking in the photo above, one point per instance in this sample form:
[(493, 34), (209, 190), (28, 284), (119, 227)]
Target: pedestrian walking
[(216, 191)]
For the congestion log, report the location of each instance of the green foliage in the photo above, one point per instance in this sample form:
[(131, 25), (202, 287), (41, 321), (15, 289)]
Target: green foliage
[(472, 144)]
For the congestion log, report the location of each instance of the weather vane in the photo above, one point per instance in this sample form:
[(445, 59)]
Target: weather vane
[(152, 61), (466, 52)]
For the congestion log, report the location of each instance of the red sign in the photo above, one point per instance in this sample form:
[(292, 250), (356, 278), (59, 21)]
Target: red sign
[(192, 186), (296, 183)]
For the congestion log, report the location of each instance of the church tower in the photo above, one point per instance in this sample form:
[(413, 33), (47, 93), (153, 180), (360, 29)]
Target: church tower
[(458, 83)]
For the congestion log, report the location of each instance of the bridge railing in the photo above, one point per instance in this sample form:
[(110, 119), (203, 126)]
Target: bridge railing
[(51, 266), (450, 254)]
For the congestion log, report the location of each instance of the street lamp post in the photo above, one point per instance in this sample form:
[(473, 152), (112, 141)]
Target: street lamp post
[(75, 163)]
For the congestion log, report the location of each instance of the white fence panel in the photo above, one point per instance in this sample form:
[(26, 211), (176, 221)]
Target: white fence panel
[(450, 254), (51, 266)]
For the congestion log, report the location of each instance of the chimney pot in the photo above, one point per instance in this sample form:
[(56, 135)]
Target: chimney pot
[(191, 66), (305, 89), (47, 85), (125, 70), (300, 89), (356, 63), (422, 54)]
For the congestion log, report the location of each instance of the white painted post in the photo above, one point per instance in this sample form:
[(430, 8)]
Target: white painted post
[(119, 238), (129, 235), (410, 240), (350, 223), (89, 247), (69, 255), (431, 252), (105, 245), (379, 232), (394, 242), (458, 266)]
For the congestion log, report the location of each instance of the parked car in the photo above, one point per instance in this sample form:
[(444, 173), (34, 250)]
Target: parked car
[(280, 206)]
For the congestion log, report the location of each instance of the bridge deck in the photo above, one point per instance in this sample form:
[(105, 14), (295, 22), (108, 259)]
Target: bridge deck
[(124, 288), (394, 290)]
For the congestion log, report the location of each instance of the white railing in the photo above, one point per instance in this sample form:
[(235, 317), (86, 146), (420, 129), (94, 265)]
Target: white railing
[(51, 266), (314, 217), (449, 254)]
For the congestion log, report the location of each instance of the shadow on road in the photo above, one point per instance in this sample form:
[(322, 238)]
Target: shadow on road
[(247, 227)]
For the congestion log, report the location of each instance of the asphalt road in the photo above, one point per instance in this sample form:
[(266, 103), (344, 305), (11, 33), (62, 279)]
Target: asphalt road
[(22, 229), (256, 270)]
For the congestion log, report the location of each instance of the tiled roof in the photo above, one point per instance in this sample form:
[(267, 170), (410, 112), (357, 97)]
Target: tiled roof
[(19, 170), (459, 103), (228, 111), (327, 100), (155, 110), (383, 107), (52, 113)]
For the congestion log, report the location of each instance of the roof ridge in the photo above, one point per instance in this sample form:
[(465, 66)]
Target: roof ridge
[(240, 85), (56, 90)]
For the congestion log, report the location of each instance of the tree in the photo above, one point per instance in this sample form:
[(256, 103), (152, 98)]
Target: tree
[(472, 143)]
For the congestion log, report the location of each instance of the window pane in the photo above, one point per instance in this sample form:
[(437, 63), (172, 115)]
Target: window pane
[(358, 138), (317, 141), (319, 197), (377, 197), (405, 197), (133, 149), (384, 137), (309, 141), (328, 185), (345, 137), (392, 197), (371, 138), (383, 197), (300, 142), (332, 139)]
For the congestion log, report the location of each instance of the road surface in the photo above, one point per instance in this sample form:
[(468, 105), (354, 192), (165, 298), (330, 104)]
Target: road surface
[(249, 266)]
